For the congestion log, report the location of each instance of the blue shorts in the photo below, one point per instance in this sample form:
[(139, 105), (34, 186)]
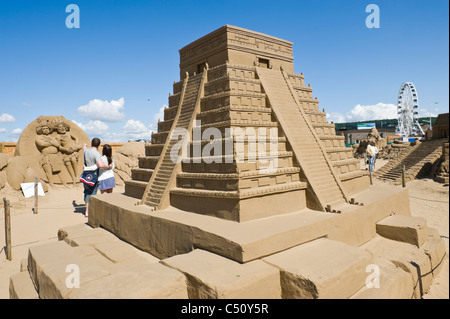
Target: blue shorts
[(89, 190), (107, 183)]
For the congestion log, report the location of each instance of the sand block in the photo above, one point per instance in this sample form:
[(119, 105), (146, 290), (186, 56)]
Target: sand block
[(406, 256), (147, 256), (322, 268), (140, 282), (388, 282), (39, 256), (102, 236), (131, 263), (434, 248), (117, 250), (115, 256), (57, 280), (21, 286), (412, 230), (78, 230), (83, 234), (100, 260), (211, 276), (85, 251)]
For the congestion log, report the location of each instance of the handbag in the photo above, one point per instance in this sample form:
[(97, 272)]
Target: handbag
[(89, 177)]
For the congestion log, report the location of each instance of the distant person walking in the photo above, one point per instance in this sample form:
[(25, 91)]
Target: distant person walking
[(106, 181), (92, 163), (372, 152)]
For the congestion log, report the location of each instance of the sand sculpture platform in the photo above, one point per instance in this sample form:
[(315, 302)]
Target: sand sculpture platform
[(171, 231), (111, 268), (223, 225)]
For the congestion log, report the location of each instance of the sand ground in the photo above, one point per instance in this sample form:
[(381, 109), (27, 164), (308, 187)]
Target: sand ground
[(64, 206)]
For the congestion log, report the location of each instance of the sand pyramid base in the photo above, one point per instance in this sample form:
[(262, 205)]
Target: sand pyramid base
[(171, 231), (110, 268), (130, 251)]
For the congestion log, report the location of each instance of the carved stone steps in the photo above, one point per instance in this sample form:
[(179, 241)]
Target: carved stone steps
[(159, 184), (153, 149), (426, 152), (141, 174), (148, 162), (294, 125), (135, 188)]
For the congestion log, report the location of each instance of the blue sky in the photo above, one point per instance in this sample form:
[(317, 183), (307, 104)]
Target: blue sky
[(113, 75)]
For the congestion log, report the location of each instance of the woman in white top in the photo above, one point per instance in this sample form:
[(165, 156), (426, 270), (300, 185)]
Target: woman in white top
[(106, 181), (372, 152)]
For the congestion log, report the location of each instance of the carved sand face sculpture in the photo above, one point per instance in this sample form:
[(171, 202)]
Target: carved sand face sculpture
[(44, 129), (68, 147), (61, 128), (51, 146)]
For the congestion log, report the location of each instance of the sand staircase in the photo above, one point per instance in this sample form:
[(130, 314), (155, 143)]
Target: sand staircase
[(305, 143), (164, 177), (414, 161)]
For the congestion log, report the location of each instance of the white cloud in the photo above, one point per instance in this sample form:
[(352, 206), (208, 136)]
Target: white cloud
[(135, 129), (131, 130), (26, 104), (358, 113), (379, 111), (2, 130), (101, 130), (93, 127), (103, 110), (7, 118), (335, 118), (133, 126), (112, 137), (159, 115)]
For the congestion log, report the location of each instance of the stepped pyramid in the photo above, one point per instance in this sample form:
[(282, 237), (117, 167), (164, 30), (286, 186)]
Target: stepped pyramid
[(235, 79), (282, 211)]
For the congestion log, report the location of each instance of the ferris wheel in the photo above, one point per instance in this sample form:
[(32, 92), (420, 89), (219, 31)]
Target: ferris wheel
[(408, 111)]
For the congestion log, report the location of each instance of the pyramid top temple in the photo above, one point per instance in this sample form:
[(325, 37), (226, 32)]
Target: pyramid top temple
[(234, 45), (243, 138)]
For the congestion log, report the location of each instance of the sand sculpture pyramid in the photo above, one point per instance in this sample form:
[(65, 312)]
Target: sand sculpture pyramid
[(295, 220), (235, 79)]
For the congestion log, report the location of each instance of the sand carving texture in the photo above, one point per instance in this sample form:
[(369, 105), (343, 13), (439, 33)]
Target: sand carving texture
[(398, 149), (50, 148), (4, 158), (373, 136), (126, 158), (442, 171)]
